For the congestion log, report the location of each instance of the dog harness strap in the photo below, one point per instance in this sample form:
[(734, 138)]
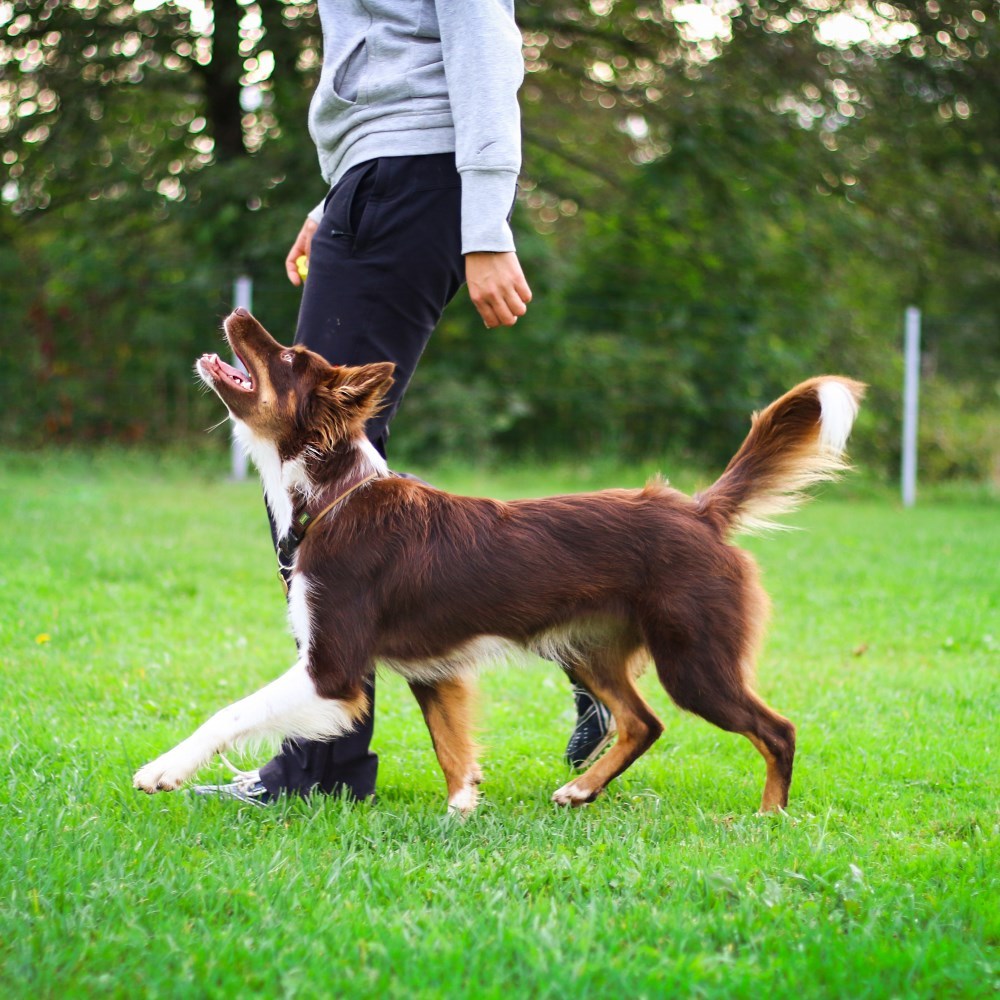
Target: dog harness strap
[(288, 545), (305, 521)]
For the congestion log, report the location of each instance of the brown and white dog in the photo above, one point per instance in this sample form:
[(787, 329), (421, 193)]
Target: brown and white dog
[(393, 571)]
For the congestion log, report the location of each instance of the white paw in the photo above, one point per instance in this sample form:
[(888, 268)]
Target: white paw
[(166, 773), (571, 795), (464, 800)]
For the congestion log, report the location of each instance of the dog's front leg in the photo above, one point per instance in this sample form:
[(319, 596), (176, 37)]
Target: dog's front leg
[(287, 707), (447, 708)]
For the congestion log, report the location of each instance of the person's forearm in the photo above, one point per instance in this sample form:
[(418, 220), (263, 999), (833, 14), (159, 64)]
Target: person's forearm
[(484, 68)]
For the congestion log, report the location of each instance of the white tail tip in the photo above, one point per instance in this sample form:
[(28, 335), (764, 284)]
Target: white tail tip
[(838, 408)]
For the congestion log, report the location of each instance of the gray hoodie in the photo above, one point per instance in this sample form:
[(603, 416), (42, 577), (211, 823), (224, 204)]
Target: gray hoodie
[(404, 77)]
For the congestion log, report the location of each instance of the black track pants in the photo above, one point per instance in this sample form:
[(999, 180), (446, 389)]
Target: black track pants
[(384, 263)]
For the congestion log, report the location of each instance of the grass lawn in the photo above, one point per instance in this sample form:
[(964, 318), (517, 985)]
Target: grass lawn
[(137, 596)]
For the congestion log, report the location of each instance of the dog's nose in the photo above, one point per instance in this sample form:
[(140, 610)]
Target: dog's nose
[(240, 311)]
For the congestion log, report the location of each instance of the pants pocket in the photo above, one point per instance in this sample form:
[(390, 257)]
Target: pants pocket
[(348, 202)]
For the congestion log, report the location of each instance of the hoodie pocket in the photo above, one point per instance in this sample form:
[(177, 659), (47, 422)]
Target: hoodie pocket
[(348, 75), (427, 26)]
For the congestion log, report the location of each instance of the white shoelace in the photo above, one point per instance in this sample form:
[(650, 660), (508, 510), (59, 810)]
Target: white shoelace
[(243, 779)]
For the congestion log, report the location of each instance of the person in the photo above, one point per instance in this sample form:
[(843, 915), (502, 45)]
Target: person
[(417, 126)]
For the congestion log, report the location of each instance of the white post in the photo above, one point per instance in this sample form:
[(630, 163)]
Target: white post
[(911, 390), (242, 298)]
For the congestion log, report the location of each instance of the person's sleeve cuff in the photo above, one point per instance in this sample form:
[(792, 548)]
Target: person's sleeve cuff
[(487, 200), (317, 213)]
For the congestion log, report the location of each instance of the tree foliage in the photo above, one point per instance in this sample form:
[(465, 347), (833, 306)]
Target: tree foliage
[(717, 199)]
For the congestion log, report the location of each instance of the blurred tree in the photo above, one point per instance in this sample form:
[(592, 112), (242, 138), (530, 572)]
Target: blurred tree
[(140, 148), (717, 197), (772, 183)]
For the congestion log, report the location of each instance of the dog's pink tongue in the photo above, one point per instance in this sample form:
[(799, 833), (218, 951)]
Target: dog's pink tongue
[(229, 370)]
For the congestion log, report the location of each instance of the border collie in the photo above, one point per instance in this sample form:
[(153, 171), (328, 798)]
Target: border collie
[(387, 569)]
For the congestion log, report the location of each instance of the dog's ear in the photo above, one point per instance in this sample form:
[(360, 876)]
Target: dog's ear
[(364, 388), (356, 389), (339, 405)]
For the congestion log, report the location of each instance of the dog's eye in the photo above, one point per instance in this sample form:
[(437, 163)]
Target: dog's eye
[(288, 357)]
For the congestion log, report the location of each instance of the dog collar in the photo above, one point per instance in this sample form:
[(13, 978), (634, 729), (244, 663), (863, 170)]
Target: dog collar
[(301, 524)]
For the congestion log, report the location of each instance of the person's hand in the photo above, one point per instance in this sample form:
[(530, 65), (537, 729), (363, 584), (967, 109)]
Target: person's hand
[(497, 287), (300, 248)]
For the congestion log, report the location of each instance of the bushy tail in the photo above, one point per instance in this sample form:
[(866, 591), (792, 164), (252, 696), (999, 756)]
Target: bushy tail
[(797, 441)]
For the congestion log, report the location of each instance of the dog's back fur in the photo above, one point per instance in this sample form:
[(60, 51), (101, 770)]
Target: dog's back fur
[(429, 583)]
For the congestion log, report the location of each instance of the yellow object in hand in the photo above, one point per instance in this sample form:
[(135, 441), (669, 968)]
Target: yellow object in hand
[(302, 266)]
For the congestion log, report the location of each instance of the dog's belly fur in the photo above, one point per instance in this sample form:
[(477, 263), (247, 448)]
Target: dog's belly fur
[(459, 661), (565, 645)]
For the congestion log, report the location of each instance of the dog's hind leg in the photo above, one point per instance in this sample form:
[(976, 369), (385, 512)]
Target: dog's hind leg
[(447, 708), (607, 674), (708, 679), (774, 737)]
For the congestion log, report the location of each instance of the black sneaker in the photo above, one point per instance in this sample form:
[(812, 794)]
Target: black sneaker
[(246, 788), (594, 731)]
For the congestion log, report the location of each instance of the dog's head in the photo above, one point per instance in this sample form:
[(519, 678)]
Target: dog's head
[(290, 396)]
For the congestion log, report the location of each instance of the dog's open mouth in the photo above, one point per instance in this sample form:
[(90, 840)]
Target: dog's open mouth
[(220, 371)]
